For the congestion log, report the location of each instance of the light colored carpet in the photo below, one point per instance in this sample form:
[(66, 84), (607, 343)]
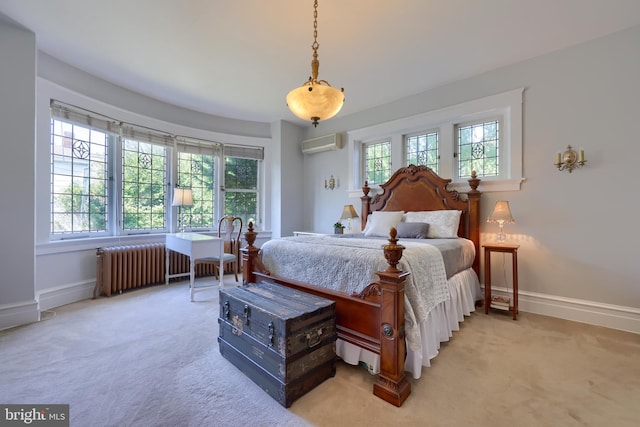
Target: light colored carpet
[(150, 358)]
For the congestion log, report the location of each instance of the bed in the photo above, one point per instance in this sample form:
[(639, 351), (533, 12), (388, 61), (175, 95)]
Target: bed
[(393, 310)]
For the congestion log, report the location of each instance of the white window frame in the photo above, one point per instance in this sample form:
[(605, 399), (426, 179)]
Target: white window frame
[(216, 192), (364, 147), (257, 222), (110, 138), (502, 171), (172, 145), (169, 157), (428, 132), (507, 106)]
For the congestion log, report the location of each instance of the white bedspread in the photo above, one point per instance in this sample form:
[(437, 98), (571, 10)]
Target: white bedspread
[(349, 265)]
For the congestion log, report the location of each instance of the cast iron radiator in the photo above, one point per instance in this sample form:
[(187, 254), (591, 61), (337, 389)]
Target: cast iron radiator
[(121, 268)]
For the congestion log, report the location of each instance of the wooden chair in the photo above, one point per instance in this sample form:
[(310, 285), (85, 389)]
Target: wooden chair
[(230, 229)]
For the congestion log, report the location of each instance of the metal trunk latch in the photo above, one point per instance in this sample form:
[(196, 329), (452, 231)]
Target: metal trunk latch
[(272, 331), (225, 310), (247, 312)]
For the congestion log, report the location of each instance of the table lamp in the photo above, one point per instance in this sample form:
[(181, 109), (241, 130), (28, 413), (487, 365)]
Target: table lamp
[(347, 213), (182, 197), (502, 215)]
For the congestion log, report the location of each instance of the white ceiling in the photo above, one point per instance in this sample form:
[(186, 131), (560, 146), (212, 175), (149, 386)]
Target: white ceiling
[(238, 59)]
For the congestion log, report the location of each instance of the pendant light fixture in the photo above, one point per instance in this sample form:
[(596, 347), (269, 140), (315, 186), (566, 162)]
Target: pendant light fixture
[(316, 99)]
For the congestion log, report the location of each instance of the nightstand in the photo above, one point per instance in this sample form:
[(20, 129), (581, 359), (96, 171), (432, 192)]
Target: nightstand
[(504, 248)]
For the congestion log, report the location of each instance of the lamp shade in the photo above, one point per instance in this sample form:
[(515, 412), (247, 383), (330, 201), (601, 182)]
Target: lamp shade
[(349, 212), (182, 197), (315, 101), (501, 213)]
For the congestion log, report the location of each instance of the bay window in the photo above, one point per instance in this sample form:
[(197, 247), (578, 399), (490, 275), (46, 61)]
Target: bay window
[(111, 178)]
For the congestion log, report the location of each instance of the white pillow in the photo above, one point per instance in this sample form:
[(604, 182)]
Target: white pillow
[(442, 224), (380, 222)]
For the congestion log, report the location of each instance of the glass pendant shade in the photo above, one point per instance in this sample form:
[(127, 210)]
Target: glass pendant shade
[(315, 101)]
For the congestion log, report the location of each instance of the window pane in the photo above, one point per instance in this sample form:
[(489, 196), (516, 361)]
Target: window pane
[(197, 172), (377, 162), (241, 189), (479, 149), (243, 205), (422, 149), (144, 180), (79, 177), (241, 173)]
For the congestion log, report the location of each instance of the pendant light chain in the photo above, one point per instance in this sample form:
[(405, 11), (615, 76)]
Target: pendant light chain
[(315, 100), (315, 44), (315, 64)]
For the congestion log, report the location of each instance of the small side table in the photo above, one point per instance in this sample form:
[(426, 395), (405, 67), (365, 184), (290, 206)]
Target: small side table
[(504, 248)]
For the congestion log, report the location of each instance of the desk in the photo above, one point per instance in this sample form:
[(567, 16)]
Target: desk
[(195, 246), (504, 248)]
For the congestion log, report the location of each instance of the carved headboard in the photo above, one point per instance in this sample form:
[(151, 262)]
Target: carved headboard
[(419, 188)]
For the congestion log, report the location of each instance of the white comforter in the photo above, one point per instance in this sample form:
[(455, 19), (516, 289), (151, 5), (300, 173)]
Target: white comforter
[(349, 265)]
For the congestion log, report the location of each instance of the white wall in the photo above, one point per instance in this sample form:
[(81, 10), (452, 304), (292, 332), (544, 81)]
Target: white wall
[(287, 180), (65, 270), (17, 170), (577, 231), (325, 205), (37, 274), (72, 78)]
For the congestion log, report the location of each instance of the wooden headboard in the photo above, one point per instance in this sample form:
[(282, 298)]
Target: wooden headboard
[(419, 188)]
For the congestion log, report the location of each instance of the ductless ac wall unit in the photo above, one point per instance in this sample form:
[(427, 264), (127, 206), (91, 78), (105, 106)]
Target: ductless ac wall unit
[(323, 143)]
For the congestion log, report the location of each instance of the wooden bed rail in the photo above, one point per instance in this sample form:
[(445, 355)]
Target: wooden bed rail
[(372, 319)]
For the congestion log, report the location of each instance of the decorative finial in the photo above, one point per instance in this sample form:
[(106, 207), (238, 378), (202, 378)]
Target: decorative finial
[(393, 251)]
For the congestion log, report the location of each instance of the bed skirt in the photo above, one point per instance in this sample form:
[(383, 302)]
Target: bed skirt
[(442, 321)]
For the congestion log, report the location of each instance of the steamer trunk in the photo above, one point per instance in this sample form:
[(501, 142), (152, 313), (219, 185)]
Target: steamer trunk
[(282, 339)]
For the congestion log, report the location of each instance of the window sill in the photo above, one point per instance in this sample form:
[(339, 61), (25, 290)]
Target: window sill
[(93, 243), (487, 186)]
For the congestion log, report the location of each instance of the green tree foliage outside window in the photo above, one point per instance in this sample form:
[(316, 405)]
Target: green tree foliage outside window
[(479, 149), (241, 188), (197, 172), (143, 185), (422, 150), (377, 162), (78, 179)]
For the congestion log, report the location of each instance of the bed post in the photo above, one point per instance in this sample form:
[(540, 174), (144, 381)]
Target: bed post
[(474, 218), (392, 384), (249, 256), (366, 205)]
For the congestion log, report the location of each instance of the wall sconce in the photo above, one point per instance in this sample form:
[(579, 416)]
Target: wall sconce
[(570, 160), (330, 184)]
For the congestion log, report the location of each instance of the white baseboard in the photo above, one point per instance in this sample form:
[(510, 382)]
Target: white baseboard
[(593, 313), (18, 314), (62, 295)]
